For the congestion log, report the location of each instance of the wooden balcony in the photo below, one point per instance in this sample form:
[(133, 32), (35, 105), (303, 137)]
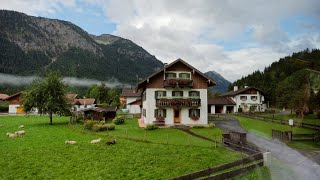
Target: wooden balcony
[(178, 102), (178, 83)]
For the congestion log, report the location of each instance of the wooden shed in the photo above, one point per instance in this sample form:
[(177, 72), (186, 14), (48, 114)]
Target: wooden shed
[(99, 113)]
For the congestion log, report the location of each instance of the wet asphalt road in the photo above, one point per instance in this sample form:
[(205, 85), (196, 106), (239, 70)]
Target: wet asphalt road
[(287, 163)]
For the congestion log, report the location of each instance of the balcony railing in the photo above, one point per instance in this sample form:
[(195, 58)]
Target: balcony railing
[(178, 83), (181, 102)]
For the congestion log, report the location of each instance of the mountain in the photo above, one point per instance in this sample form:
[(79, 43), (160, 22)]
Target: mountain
[(286, 78), (222, 84), (33, 45)]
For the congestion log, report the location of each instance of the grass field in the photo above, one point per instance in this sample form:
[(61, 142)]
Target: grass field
[(42, 154), (264, 129), (310, 119)]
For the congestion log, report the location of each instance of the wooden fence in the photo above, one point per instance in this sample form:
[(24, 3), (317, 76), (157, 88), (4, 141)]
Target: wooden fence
[(248, 163), (281, 121), (284, 136)]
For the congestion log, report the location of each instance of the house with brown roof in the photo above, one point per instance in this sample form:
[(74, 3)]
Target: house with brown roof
[(246, 99), (15, 106), (79, 104), (129, 97), (175, 95), (3, 97), (99, 113), (221, 105)]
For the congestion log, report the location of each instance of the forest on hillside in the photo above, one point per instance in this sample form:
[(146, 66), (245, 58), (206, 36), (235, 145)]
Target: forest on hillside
[(292, 82)]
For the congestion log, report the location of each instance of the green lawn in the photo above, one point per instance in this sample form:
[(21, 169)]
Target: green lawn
[(261, 173), (211, 133), (305, 145), (264, 129), (172, 136), (310, 119), (42, 154)]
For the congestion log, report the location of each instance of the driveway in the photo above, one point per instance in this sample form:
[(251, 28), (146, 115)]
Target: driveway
[(287, 163)]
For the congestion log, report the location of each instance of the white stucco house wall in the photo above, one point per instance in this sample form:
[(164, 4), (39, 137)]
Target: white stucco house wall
[(246, 99), (131, 96), (175, 95), (80, 104)]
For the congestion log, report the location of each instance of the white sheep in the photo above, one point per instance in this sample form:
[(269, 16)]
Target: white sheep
[(22, 126), (20, 133), (10, 135), (95, 141), (70, 142)]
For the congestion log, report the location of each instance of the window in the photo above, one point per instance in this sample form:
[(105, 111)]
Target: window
[(171, 75), (254, 98), (243, 98), (194, 94), (144, 112), (184, 75), (160, 94), (177, 93), (160, 113), (194, 112), (144, 96)]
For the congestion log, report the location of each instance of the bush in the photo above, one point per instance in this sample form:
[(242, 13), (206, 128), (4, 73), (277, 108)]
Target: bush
[(118, 120), (212, 125), (151, 127), (88, 124), (240, 109), (103, 127), (198, 126)]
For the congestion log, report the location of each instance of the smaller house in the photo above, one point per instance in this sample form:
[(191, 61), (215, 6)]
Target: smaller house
[(221, 105), (79, 104), (15, 106), (247, 99), (99, 113), (3, 97), (129, 97)]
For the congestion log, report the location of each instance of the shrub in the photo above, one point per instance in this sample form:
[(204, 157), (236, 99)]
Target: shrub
[(108, 127), (88, 124), (96, 127), (118, 120), (151, 127), (212, 125), (198, 126)]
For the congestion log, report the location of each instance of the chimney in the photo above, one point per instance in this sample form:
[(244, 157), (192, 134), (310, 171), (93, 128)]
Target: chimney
[(235, 88)]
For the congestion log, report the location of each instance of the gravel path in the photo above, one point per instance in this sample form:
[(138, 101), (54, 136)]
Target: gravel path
[(287, 163)]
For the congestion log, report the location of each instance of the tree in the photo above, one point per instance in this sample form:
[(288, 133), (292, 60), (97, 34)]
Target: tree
[(47, 95)]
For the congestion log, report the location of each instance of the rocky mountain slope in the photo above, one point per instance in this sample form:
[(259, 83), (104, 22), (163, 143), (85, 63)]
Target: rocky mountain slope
[(32, 45), (222, 84)]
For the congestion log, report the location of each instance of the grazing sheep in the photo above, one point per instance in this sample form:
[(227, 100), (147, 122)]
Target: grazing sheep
[(70, 142), (10, 135), (95, 141), (20, 133), (22, 126), (111, 142)]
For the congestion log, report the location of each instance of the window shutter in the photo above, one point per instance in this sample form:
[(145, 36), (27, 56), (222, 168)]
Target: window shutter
[(198, 112), (164, 113), (181, 93), (155, 112), (165, 93), (156, 95), (190, 111), (190, 93), (173, 93)]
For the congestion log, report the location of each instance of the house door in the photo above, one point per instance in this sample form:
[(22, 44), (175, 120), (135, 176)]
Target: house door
[(177, 116)]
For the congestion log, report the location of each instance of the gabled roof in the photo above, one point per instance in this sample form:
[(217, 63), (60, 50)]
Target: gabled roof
[(136, 102), (211, 81), (100, 109), (3, 96), (240, 91), (13, 95), (129, 92), (71, 96), (221, 101), (84, 101)]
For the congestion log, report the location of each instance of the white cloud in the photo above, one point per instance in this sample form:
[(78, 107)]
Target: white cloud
[(190, 29)]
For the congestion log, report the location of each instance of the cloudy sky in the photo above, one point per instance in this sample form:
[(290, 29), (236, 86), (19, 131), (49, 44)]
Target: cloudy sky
[(231, 37)]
